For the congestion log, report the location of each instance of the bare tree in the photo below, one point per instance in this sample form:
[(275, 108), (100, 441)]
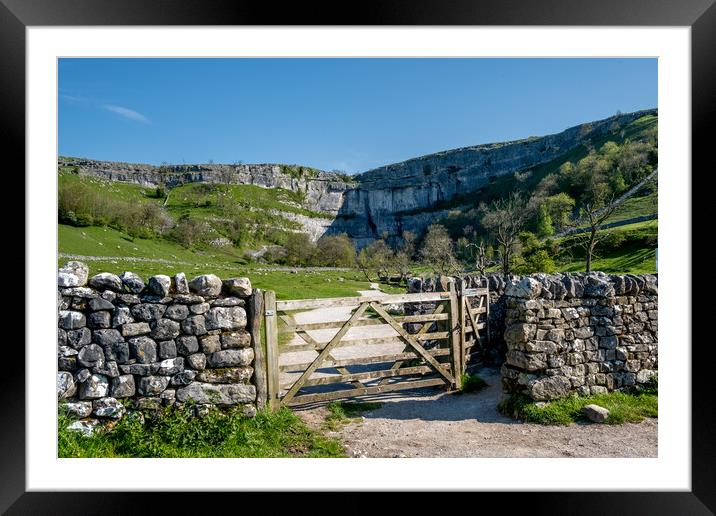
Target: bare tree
[(437, 250), (504, 219), (594, 213)]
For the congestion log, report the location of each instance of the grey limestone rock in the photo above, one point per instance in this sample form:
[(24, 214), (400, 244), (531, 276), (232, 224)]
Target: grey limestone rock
[(134, 329), (159, 285), (237, 286), (143, 349), (66, 386), (91, 355), (217, 394), (122, 315), (230, 358), (98, 303), (152, 385), (77, 269), (236, 339), (206, 285), (79, 338), (78, 409), (226, 375), (194, 325), (123, 386), (71, 320), (177, 312), (96, 386), (225, 318), (132, 282), (106, 281), (187, 344), (595, 413), (181, 286), (148, 311), (108, 407), (165, 329)]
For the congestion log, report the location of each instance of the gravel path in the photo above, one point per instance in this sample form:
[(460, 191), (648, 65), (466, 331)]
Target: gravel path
[(433, 423)]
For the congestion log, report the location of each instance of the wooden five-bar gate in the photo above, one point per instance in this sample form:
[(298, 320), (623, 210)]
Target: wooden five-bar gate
[(433, 349)]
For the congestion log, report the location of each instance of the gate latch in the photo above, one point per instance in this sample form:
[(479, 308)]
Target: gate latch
[(270, 312)]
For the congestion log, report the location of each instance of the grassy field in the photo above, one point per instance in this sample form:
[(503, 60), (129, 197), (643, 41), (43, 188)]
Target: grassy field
[(626, 249), (148, 257), (643, 202), (218, 434)]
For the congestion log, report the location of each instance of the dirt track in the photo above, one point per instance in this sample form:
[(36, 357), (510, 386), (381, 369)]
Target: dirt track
[(432, 423)]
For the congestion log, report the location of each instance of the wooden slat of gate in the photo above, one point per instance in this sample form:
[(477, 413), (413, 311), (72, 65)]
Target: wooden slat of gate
[(437, 312), (413, 343), (297, 304), (378, 359), (324, 353), (377, 389), (292, 327)]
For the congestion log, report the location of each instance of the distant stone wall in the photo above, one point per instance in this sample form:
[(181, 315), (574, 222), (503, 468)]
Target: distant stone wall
[(579, 333), (157, 344)]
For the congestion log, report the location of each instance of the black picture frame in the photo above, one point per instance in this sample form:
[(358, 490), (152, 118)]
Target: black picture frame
[(700, 15)]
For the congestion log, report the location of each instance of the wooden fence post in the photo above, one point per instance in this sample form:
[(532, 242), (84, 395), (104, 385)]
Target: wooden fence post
[(256, 314), (456, 330), (272, 351)]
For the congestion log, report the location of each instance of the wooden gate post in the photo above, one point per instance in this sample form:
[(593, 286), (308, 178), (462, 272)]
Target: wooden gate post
[(272, 351), (256, 317), (456, 332)]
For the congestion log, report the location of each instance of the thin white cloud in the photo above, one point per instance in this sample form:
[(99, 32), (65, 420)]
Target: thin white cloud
[(126, 113)]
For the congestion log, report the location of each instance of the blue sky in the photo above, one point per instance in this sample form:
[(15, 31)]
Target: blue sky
[(346, 114)]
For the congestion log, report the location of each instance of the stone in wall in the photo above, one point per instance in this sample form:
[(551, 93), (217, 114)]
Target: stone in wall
[(126, 343)]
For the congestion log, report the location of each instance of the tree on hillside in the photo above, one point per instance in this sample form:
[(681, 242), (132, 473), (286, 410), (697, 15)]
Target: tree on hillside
[(437, 250), (504, 219), (335, 251), (595, 213), (375, 258), (299, 249), (559, 207), (402, 258)]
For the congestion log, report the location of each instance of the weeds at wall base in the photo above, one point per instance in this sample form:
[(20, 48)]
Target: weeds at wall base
[(624, 407), (177, 432)]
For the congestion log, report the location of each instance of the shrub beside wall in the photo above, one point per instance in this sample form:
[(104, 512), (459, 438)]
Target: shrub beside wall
[(579, 333), (124, 344)]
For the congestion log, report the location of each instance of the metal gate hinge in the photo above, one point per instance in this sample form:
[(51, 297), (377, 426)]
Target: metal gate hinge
[(270, 312)]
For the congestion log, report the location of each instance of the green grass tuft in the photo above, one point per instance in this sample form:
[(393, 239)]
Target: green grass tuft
[(343, 412), (624, 407), (472, 383), (176, 433)]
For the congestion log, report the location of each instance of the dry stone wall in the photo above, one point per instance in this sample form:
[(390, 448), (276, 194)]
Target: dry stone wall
[(579, 333), (164, 342)]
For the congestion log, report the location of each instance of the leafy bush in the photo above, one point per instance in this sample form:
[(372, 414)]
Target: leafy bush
[(80, 205)]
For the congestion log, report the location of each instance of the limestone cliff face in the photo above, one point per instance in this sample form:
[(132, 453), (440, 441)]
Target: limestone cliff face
[(403, 196), (323, 191)]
